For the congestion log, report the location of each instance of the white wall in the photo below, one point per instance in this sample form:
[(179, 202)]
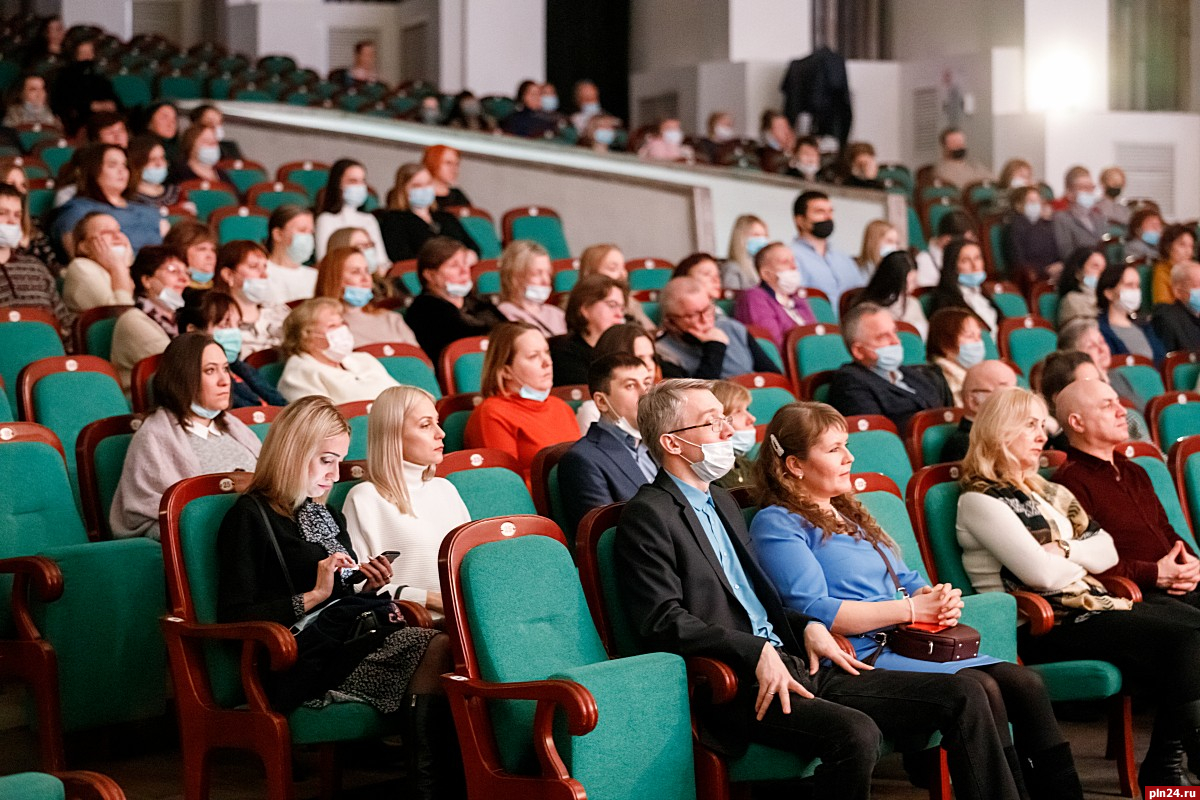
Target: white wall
[(664, 34), (877, 100), (115, 16), (503, 42), (761, 30), (1066, 55)]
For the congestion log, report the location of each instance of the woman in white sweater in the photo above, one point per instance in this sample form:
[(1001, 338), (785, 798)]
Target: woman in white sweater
[(340, 206), (1022, 533), (321, 358), (401, 505)]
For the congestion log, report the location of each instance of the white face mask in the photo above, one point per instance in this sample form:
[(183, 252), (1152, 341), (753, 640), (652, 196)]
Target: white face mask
[(171, 299), (537, 294), (340, 343), (121, 254), (1130, 299), (372, 258), (723, 133), (257, 290), (717, 461), (459, 289), (673, 136), (10, 235), (744, 440), (789, 281)]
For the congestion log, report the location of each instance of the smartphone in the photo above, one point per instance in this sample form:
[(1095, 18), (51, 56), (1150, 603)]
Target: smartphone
[(358, 576), (390, 555)]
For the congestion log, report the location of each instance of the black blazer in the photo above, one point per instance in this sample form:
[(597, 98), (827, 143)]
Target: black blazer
[(404, 232), (596, 471), (680, 601), (437, 322), (858, 390), (1177, 326)]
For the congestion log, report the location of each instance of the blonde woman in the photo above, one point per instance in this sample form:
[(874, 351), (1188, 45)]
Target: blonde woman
[(284, 554), (607, 259), (526, 281), (749, 235), (735, 404), (345, 274), (359, 239), (412, 217), (401, 505), (1021, 532), (880, 238), (319, 348)]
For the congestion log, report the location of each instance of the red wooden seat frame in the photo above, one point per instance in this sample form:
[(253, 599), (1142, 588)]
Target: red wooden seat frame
[(33, 372), (89, 439), (513, 214), (922, 421), (451, 353), (1157, 405)]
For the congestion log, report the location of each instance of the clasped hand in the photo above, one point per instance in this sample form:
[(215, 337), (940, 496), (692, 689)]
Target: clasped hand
[(938, 605)]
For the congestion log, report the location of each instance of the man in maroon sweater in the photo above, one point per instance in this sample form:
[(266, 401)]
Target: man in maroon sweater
[(1118, 494)]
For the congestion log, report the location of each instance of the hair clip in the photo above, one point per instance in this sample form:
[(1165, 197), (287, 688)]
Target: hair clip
[(776, 446)]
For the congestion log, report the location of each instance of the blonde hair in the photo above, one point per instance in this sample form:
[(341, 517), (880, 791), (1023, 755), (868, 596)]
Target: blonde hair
[(872, 235), (989, 457), (299, 324), (732, 396), (385, 443), (589, 259), (293, 441), (737, 245), (514, 268), (342, 237), (397, 196)]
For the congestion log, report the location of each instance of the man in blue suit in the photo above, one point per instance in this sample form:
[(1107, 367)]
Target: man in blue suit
[(610, 462)]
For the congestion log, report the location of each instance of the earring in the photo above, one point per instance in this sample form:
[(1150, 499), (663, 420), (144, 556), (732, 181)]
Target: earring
[(800, 476)]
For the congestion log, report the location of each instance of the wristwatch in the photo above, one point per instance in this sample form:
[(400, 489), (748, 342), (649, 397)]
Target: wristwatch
[(1066, 547)]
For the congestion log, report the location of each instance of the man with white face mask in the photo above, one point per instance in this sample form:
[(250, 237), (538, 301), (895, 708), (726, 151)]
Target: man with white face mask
[(775, 305), (1081, 223), (690, 580), (610, 462)]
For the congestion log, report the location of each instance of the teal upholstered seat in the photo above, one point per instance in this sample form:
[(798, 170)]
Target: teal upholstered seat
[(492, 492), (546, 231), (32, 786)]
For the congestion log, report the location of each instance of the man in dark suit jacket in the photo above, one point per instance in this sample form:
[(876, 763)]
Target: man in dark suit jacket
[(1178, 323), (610, 462), (876, 382), (696, 588)]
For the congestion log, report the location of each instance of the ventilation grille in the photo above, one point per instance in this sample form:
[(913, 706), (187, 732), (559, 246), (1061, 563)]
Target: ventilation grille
[(925, 120), (342, 41), (1149, 172), (164, 17)]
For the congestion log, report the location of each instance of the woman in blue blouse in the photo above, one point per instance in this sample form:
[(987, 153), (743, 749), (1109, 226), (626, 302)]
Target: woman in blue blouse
[(824, 553)]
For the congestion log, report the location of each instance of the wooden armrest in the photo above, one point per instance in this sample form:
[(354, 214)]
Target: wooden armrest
[(1036, 611), (576, 702), (415, 614), (31, 573), (278, 641), (1120, 586), (717, 676), (82, 785)]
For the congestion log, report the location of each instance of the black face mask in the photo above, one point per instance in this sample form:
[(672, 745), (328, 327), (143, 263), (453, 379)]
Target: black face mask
[(822, 229), (1113, 191), (959, 154)]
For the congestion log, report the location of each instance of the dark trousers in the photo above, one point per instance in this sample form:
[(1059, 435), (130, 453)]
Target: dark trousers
[(1018, 695), (843, 725)]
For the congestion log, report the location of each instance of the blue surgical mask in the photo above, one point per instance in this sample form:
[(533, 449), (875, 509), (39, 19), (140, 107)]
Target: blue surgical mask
[(1086, 199), (756, 243), (205, 413), (421, 197), (1194, 301), (1151, 237), (199, 276), (301, 247), (744, 440), (529, 393), (972, 279), (230, 340), (970, 353), (354, 195), (550, 103), (155, 175), (208, 154), (604, 136), (1089, 281), (589, 108), (257, 290), (357, 296), (890, 357)]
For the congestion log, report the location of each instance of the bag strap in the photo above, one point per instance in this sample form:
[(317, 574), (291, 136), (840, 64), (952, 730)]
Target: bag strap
[(262, 513), (891, 572)]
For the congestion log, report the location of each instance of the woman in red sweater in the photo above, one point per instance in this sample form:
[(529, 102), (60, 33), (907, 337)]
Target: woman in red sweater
[(518, 415)]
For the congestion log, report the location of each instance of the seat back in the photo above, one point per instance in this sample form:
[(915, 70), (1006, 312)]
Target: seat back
[(544, 483), (1173, 416), (1026, 340), (818, 301), (350, 474), (876, 447), (1150, 458), (541, 225), (99, 458), (492, 491), (1180, 370), (1140, 373), (462, 364), (94, 329), (453, 412), (480, 230), (407, 363), (927, 433), (22, 342), (932, 500), (814, 348), (881, 497), (1185, 468), (356, 414), (594, 545), (913, 344)]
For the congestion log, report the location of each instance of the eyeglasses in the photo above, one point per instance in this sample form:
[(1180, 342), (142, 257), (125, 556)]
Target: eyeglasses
[(717, 425), (695, 315)]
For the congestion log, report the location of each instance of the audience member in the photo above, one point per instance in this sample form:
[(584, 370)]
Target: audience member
[(320, 357), (107, 127), (861, 168), (47, 45), (148, 173), (607, 259), (1145, 232), (1118, 298), (466, 113), (104, 183), (1017, 173), (160, 120), (877, 381), (340, 206), (1029, 244), (749, 235), (242, 272), (718, 132), (216, 314), (526, 282), (821, 265), (587, 101), (775, 305), (447, 309), (1019, 531), (198, 156), (880, 238), (1177, 322), (600, 135), (1177, 246), (413, 217), (27, 281), (443, 163), (1077, 286), (703, 267), (196, 242), (98, 274), (629, 339), (1084, 335), (159, 277), (344, 275), (610, 462), (527, 119), (697, 343), (364, 69), (428, 111), (550, 104), (360, 240), (401, 505), (978, 385), (187, 434), (954, 167), (778, 138), (596, 304), (1112, 184), (80, 89), (955, 344), (735, 404), (34, 243), (1058, 370), (822, 551), (953, 225), (892, 285), (30, 105), (292, 244), (665, 143), (1080, 224), (518, 414), (676, 592), (806, 160), (1119, 496), (961, 284), (209, 116), (396, 668)]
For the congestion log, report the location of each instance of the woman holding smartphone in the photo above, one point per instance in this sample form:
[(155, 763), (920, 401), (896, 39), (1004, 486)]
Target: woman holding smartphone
[(401, 506), (285, 555)]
